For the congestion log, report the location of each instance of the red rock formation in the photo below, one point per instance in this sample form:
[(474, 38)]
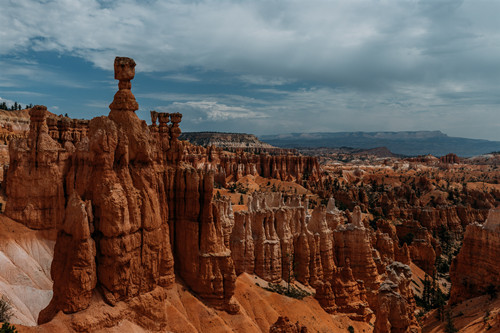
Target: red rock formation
[(273, 239), (148, 209), (237, 165), (141, 210), (353, 244), (450, 158), (350, 295), (36, 160), (476, 266), (73, 267), (396, 306), (423, 248), (389, 250), (64, 129)]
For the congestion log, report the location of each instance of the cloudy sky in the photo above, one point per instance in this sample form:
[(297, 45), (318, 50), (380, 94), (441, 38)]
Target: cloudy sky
[(265, 66)]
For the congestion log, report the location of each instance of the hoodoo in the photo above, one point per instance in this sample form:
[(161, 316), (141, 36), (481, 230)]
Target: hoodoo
[(138, 222), (125, 209)]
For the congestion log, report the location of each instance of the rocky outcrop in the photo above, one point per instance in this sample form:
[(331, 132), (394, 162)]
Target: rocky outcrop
[(134, 210), (283, 325), (224, 140), (353, 245), (396, 306), (25, 260), (233, 142), (276, 238), (450, 158), (42, 161), (73, 268), (64, 129), (475, 268), (234, 166)]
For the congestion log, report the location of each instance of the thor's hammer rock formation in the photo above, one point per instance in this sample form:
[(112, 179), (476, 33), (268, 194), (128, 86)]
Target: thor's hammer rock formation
[(126, 210)]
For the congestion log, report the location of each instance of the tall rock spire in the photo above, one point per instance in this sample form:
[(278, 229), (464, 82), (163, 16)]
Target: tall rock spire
[(124, 100)]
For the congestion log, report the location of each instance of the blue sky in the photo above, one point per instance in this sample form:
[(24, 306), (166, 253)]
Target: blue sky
[(263, 67)]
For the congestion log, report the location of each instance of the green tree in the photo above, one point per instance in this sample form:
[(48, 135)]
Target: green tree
[(5, 310), (8, 328), (450, 327)]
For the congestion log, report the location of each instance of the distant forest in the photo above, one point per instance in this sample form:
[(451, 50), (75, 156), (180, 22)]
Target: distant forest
[(14, 107)]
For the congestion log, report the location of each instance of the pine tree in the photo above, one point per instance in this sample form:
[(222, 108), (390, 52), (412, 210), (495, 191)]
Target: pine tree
[(450, 327), (426, 294)]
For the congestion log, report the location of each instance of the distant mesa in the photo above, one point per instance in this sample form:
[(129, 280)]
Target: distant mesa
[(409, 143)]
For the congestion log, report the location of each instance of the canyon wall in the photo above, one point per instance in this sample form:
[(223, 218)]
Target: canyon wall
[(475, 270), (304, 170), (282, 240)]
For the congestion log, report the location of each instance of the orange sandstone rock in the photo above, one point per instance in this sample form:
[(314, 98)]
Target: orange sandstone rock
[(476, 267), (148, 210), (395, 306)]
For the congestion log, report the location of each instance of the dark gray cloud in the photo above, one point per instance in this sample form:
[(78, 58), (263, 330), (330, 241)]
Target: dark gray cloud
[(319, 65)]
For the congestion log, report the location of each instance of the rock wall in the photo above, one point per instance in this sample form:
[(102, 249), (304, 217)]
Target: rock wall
[(227, 165), (283, 240), (42, 161), (396, 305), (476, 267)]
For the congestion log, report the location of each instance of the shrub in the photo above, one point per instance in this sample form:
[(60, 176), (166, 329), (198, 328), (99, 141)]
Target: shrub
[(8, 328), (5, 310), (350, 329), (291, 291)]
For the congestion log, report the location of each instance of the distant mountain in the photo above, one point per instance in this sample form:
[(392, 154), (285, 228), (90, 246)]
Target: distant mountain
[(410, 143)]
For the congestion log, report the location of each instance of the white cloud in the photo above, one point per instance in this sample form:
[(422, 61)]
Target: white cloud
[(213, 111), (181, 77), (343, 42), (362, 65), (265, 80), (9, 102)]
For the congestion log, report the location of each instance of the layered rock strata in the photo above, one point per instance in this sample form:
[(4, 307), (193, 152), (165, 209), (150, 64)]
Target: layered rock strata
[(396, 305), (282, 240), (133, 209), (475, 269), (225, 165)]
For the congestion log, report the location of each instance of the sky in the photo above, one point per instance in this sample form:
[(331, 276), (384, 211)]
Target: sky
[(263, 67)]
